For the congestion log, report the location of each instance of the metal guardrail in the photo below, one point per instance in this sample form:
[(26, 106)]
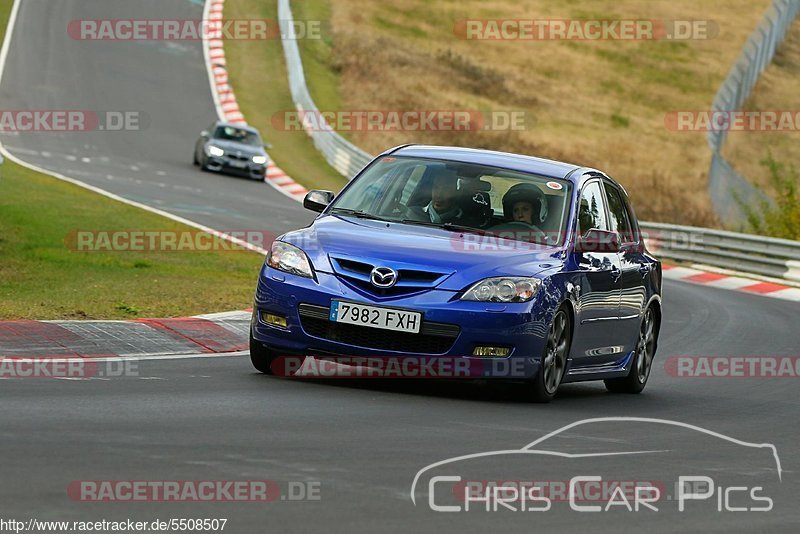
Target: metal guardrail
[(340, 153), (725, 184), (766, 256), (747, 253)]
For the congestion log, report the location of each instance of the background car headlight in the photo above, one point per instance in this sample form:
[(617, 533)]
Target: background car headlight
[(215, 151), (259, 160), (503, 289), (289, 258)]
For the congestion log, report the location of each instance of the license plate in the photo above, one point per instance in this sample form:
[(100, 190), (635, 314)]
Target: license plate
[(375, 317), (238, 164)]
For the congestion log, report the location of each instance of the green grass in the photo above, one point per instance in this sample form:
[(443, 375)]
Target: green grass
[(257, 71), (42, 277)]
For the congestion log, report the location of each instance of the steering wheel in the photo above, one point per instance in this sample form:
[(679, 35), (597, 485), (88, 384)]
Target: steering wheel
[(537, 234)]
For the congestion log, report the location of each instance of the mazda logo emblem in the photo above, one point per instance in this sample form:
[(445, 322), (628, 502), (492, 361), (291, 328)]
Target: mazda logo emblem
[(383, 277)]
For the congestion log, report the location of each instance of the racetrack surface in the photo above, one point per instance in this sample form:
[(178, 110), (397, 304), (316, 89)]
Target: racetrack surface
[(214, 418)]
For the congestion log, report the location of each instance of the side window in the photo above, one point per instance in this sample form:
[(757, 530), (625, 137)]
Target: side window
[(618, 215), (592, 212)]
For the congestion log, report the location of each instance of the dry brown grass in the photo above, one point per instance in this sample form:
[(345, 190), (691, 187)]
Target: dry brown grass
[(777, 89), (600, 104)]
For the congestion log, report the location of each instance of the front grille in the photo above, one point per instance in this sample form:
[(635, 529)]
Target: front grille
[(433, 338), (357, 273)]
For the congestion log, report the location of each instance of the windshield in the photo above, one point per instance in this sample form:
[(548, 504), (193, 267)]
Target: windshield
[(460, 196), (239, 135)]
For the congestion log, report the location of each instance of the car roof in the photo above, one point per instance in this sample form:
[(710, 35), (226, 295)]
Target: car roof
[(239, 126), (517, 162)]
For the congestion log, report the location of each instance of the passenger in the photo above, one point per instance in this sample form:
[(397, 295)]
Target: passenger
[(523, 211), (525, 203)]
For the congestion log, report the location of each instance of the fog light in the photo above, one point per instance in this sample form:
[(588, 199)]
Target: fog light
[(491, 352), (274, 320)]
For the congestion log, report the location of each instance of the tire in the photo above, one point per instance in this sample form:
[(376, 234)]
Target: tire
[(643, 357), (261, 357), (554, 359), (195, 161)]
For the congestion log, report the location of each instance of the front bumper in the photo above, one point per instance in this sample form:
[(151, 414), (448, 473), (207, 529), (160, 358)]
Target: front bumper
[(451, 328), (228, 166)]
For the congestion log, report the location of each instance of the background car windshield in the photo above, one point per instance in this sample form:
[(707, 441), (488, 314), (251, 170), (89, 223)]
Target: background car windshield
[(512, 204), (228, 133)]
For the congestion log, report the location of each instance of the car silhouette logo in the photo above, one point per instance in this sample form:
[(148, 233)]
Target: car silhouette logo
[(383, 277)]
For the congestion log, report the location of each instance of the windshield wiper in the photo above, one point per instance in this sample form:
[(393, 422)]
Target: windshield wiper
[(361, 214), (445, 226)]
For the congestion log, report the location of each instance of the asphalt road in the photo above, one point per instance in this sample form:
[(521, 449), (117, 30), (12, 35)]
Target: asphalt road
[(361, 442)]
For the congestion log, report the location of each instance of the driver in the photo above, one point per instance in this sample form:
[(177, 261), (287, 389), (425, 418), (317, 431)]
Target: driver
[(445, 199)]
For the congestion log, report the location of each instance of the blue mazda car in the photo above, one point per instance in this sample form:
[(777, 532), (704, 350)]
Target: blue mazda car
[(531, 269)]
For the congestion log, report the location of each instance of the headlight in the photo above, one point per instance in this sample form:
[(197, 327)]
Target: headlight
[(503, 289), (289, 258), (259, 160), (215, 151)]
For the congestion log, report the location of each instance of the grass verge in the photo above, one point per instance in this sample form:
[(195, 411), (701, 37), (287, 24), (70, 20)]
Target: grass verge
[(41, 277)]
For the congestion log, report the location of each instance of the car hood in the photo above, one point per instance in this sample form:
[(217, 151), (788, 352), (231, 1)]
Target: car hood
[(247, 150), (463, 259)]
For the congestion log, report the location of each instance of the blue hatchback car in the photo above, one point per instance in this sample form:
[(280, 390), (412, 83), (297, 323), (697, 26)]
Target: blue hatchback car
[(494, 259)]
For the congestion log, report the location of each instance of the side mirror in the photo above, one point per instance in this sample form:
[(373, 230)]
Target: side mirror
[(317, 200), (596, 240), (204, 133), (267, 146)]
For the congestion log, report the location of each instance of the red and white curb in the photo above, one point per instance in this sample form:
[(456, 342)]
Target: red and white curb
[(204, 334), (730, 282), (225, 99)]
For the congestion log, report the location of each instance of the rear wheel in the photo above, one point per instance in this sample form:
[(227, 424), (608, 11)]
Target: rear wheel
[(554, 360), (642, 359)]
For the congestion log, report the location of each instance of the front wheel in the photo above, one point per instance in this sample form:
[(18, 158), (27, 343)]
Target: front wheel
[(554, 360), (642, 359)]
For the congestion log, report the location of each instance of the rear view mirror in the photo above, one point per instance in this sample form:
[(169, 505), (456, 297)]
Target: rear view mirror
[(317, 200), (595, 240)]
